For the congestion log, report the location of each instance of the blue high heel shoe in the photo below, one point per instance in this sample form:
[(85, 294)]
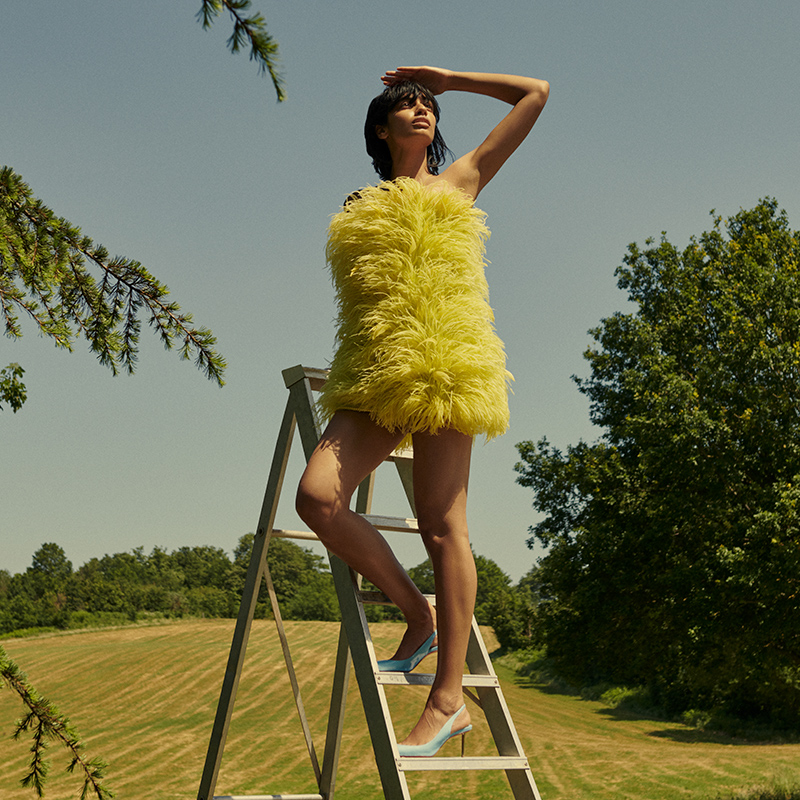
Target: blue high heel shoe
[(407, 664), (435, 744)]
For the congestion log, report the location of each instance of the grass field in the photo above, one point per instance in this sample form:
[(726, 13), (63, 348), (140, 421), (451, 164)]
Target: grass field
[(144, 699)]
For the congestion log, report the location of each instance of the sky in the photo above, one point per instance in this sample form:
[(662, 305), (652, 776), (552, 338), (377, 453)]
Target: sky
[(132, 122)]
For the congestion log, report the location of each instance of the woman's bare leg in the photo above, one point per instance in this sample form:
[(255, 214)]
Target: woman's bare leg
[(351, 447), (441, 475)]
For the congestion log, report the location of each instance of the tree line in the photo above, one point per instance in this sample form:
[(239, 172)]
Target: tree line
[(192, 581), (201, 581)]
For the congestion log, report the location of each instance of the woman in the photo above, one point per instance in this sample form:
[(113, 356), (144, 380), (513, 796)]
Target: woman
[(418, 358)]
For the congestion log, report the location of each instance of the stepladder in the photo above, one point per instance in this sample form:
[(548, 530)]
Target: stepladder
[(355, 647)]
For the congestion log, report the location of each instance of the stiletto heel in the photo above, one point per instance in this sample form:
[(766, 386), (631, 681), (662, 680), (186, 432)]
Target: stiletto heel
[(463, 743), (435, 744), (407, 664)]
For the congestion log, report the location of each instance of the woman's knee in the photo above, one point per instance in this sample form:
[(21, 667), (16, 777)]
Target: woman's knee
[(319, 504), (439, 533), (313, 506)]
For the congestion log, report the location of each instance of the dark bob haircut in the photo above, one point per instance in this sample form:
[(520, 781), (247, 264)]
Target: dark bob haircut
[(378, 114)]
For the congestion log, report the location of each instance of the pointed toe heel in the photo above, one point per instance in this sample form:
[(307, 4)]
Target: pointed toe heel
[(408, 664), (434, 745)]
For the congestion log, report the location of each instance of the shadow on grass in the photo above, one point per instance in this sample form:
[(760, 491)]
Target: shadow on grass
[(695, 735), (532, 671), (545, 687), (683, 733)]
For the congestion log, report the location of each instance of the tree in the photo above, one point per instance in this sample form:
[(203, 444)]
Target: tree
[(492, 583), (202, 565), (422, 575), (12, 389), (514, 613), (51, 565), (674, 541), (302, 581), (69, 286)]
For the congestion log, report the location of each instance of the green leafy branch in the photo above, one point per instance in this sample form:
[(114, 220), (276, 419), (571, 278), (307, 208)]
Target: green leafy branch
[(43, 720), (247, 30), (12, 389), (44, 274)]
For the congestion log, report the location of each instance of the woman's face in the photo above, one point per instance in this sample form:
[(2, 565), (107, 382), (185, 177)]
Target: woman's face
[(410, 119)]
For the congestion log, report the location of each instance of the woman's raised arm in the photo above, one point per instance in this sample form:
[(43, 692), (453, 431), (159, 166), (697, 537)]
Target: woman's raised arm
[(527, 96)]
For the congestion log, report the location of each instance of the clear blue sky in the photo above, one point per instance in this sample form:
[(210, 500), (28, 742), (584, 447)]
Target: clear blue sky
[(135, 124)]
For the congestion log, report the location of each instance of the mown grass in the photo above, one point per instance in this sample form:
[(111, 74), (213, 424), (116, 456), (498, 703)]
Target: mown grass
[(144, 700)]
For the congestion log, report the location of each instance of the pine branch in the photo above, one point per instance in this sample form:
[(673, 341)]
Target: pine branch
[(44, 721), (247, 31), (49, 257)]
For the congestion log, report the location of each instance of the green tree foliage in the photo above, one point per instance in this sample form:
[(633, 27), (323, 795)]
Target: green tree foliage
[(303, 585), (492, 583), (674, 541), (43, 722), (70, 287), (422, 575), (513, 613), (12, 389), (302, 581), (199, 581)]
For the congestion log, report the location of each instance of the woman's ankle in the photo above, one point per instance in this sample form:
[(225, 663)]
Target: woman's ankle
[(423, 618)]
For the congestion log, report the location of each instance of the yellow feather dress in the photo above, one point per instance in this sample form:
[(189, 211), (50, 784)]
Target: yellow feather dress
[(416, 345)]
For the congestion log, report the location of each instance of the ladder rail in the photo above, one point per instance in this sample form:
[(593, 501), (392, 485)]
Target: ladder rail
[(241, 635)]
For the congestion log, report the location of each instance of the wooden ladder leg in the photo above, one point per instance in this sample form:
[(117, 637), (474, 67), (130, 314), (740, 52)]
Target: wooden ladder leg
[(233, 670), (376, 709), (255, 574), (308, 425), (341, 680)]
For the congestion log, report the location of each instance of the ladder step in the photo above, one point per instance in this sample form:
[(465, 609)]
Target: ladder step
[(407, 454), (269, 797), (308, 535), (426, 679), (407, 525), (379, 598), (492, 762), (402, 524)]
